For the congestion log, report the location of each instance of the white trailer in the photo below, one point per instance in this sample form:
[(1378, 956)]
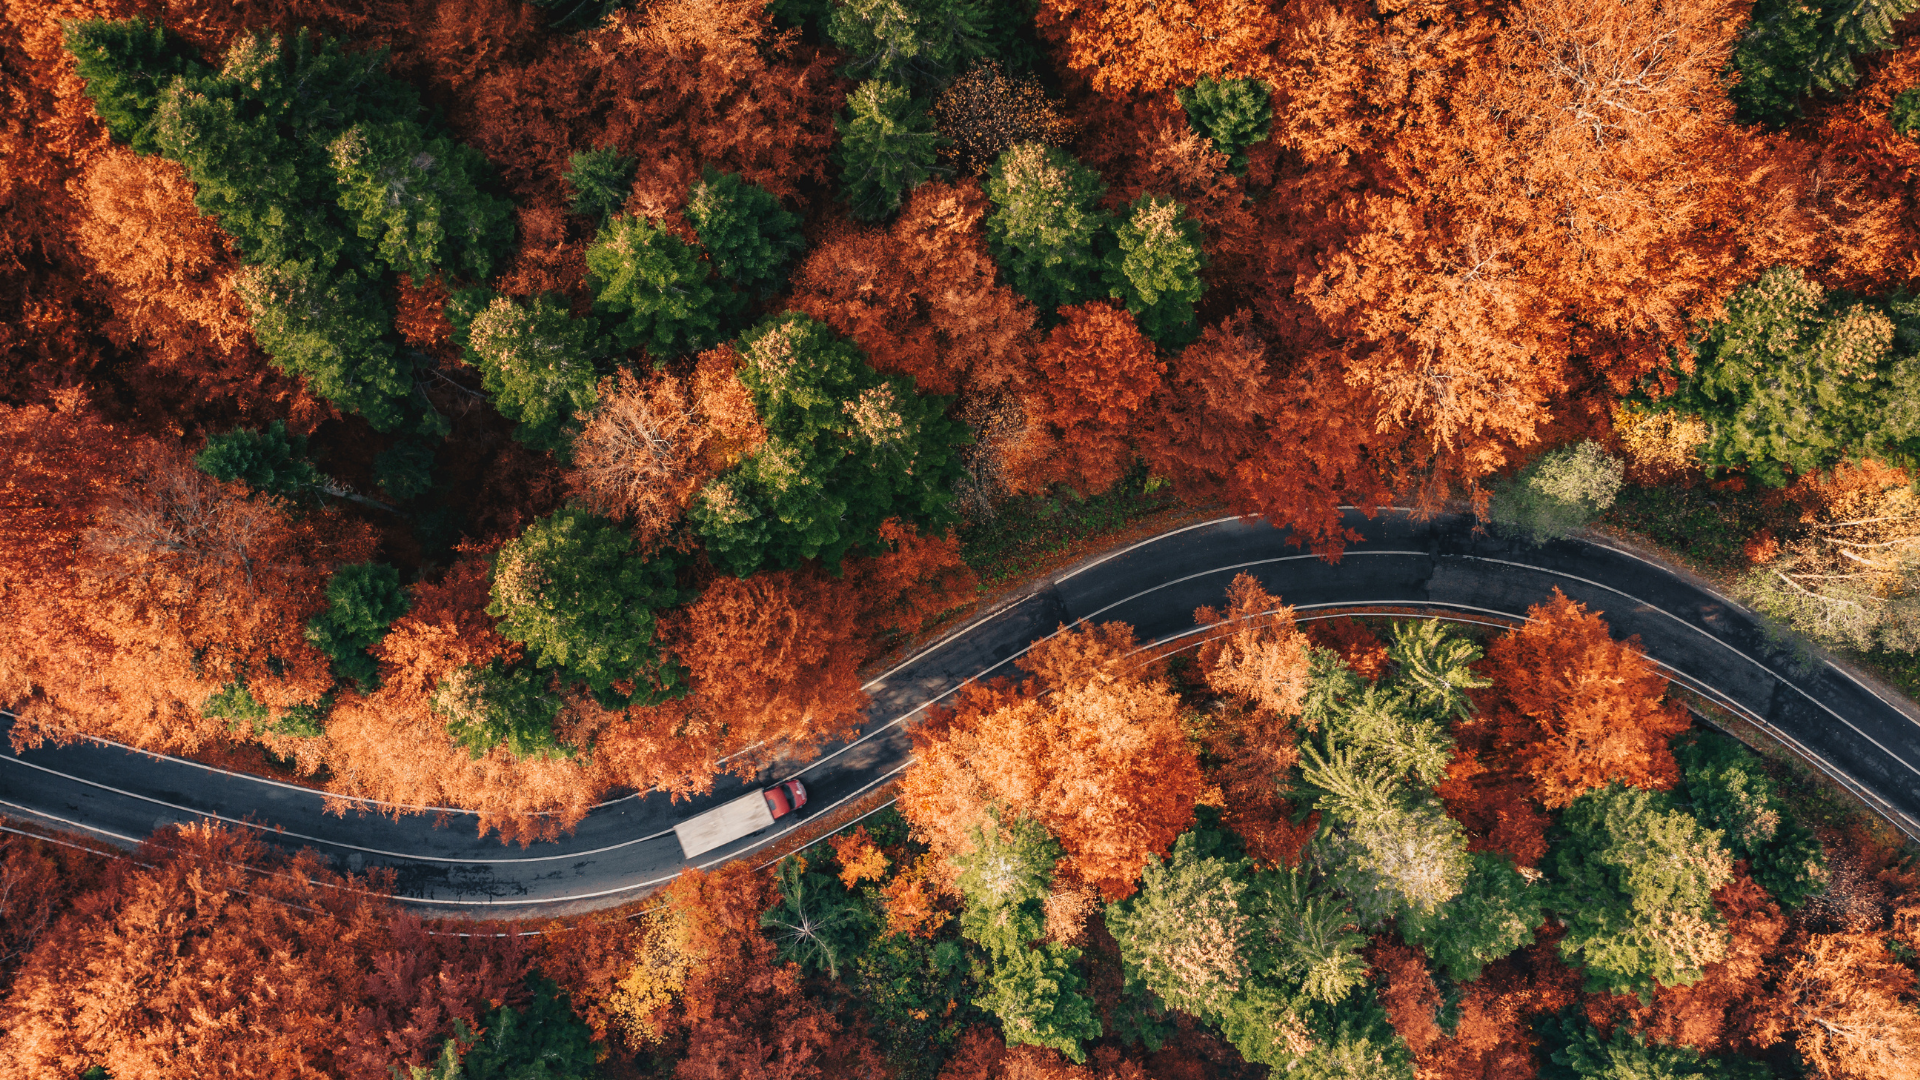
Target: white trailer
[(724, 824)]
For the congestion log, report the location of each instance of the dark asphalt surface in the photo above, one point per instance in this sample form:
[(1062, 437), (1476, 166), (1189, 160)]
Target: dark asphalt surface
[(626, 846)]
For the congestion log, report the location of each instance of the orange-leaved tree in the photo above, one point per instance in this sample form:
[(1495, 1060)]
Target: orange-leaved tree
[(134, 587), (1575, 709), (209, 956), (1089, 377), (1257, 659), (1848, 1005), (1091, 747), (648, 446), (920, 297), (393, 745), (1126, 45), (1712, 1013)]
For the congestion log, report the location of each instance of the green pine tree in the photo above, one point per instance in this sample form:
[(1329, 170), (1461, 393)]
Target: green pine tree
[(747, 234), (601, 180), (1632, 877), (272, 461), (1310, 942), (657, 287), (1188, 931), (258, 137), (1904, 115), (1572, 1049), (500, 705), (1793, 380), (335, 330), (539, 362), (1234, 113), (1494, 914), (1032, 985), (1155, 269), (1728, 789), (887, 148), (1046, 230), (363, 599), (817, 924), (418, 198), (921, 43), (1435, 665), (846, 449), (1793, 48), (1557, 493), (571, 589), (127, 65), (543, 1040)]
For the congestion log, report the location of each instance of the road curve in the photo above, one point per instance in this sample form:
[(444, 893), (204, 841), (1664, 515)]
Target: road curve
[(625, 846)]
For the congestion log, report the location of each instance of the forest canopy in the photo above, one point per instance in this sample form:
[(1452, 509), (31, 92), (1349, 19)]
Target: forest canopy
[(496, 404)]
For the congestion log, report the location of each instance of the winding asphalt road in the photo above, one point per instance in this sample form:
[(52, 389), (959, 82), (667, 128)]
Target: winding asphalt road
[(626, 846)]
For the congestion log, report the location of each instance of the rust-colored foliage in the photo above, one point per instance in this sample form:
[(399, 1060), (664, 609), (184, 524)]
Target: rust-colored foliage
[(679, 85), (1710, 1013), (649, 446), (1409, 995), (1101, 761), (1574, 709), (587, 960), (1355, 641), (1089, 378), (1122, 45), (1494, 1039), (134, 586), (1871, 203), (188, 964), (393, 747), (920, 296), (916, 903), (38, 881), (1847, 1004), (859, 858), (981, 1054), (1262, 665), (1561, 196), (1495, 801), (1255, 655), (741, 1014)]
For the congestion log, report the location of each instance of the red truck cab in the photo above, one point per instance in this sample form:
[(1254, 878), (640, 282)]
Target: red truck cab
[(786, 797)]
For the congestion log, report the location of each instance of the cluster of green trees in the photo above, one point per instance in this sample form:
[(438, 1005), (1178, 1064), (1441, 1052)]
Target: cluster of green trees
[(654, 291), (1793, 48), (846, 449), (904, 52), (329, 175), (1264, 951), (1057, 247), (1573, 1049), (1795, 378)]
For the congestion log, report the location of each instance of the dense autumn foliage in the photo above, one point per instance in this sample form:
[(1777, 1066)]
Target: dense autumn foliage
[(735, 305), (1575, 709), (206, 957), (1089, 747)]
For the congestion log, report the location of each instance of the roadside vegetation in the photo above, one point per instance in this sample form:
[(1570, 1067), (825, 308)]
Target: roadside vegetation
[(1377, 849)]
